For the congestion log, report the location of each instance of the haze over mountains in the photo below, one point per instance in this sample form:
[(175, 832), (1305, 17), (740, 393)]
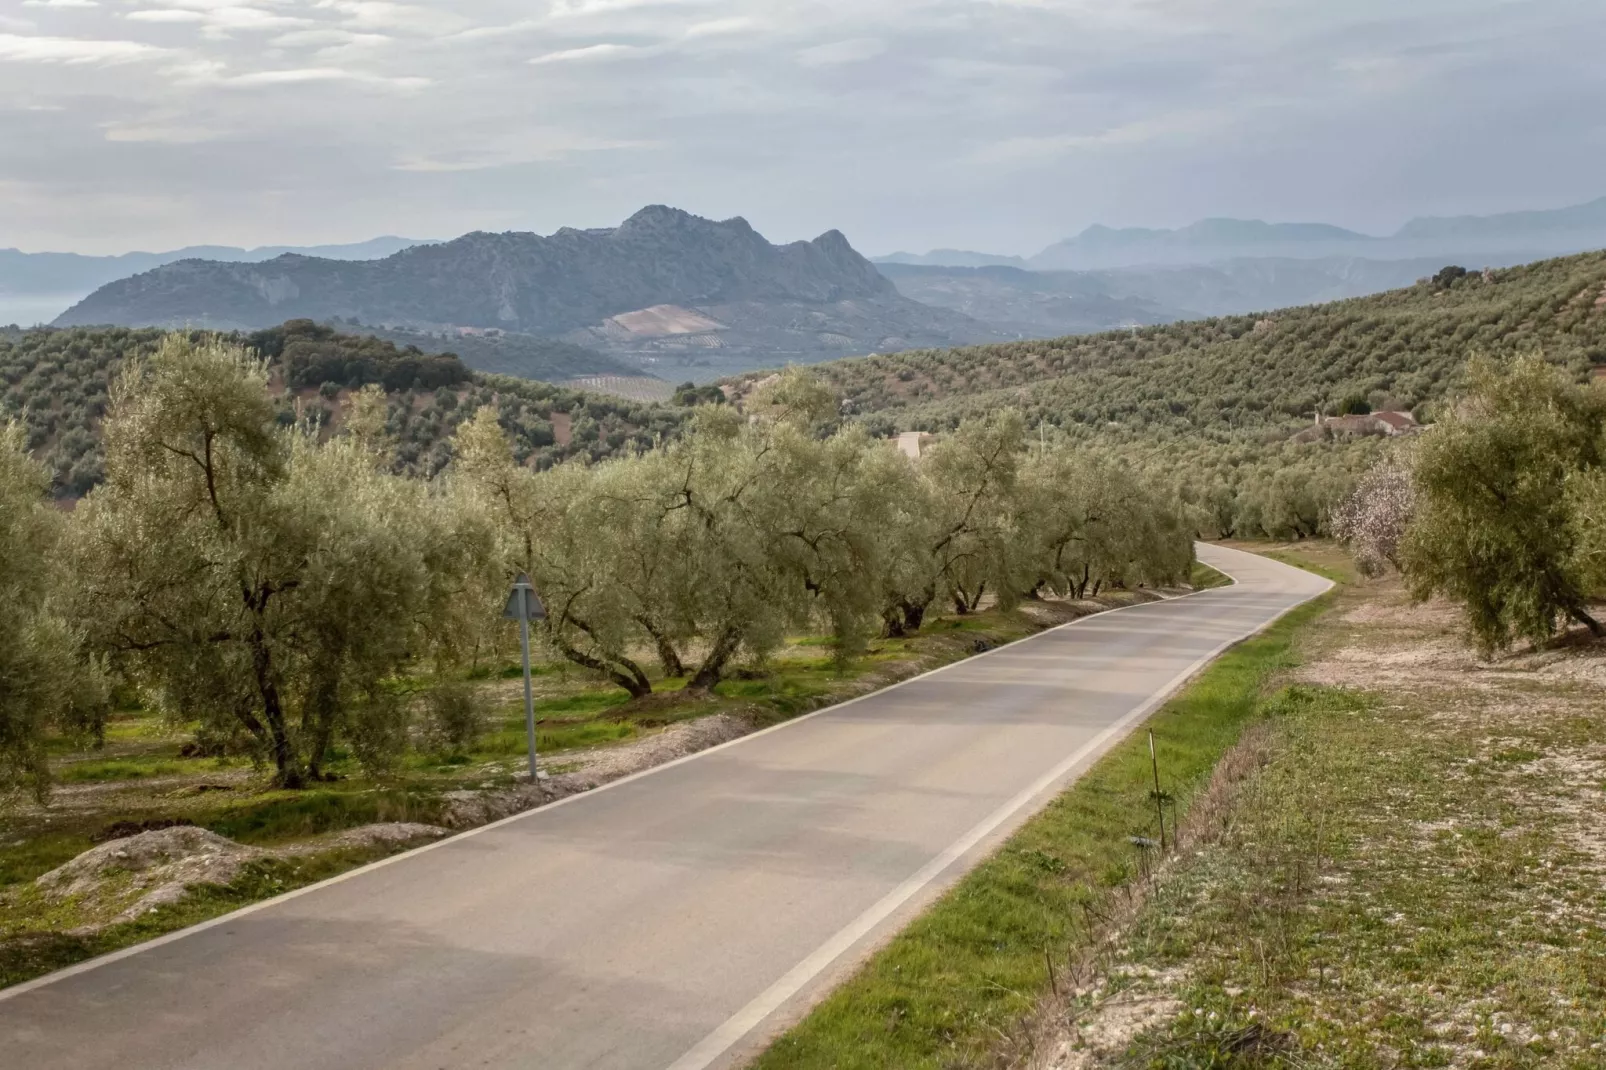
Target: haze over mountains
[(37, 286), (1525, 235), (1224, 267), (679, 296)]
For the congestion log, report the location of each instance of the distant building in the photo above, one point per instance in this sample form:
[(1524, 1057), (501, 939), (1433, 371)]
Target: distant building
[(1398, 423), (1377, 423)]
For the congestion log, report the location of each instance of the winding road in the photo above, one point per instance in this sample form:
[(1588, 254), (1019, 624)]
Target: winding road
[(674, 919)]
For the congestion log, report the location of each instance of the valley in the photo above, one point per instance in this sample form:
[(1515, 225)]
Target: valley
[(728, 558)]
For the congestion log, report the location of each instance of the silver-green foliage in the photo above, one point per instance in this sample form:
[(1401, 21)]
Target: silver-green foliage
[(254, 579), (1508, 491), (46, 681), (746, 529)]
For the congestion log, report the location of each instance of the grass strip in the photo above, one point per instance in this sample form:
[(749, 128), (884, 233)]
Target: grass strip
[(959, 979), (1204, 577)]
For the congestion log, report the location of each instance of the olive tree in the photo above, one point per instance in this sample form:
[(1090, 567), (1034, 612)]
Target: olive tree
[(46, 681), (251, 578), (1495, 527), (973, 475), (1089, 521)]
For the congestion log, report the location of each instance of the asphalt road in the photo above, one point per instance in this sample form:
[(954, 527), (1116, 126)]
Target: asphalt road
[(673, 919)]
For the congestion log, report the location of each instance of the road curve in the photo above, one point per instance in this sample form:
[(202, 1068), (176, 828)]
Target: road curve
[(674, 919)]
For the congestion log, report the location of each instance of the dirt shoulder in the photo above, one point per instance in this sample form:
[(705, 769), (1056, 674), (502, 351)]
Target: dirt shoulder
[(1414, 873)]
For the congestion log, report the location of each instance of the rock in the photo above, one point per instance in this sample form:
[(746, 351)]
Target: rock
[(127, 877), (158, 868), (384, 835), (466, 809)]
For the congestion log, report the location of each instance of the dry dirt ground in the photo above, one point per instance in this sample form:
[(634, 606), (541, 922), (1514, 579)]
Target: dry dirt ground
[(1412, 874)]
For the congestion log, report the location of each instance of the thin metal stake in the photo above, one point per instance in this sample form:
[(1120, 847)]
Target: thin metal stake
[(1159, 799)]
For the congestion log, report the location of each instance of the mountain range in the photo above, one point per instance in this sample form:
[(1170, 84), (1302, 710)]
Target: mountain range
[(48, 274), (1511, 237), (668, 288), (671, 294)]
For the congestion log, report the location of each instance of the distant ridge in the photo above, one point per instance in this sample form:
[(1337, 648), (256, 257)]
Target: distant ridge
[(1505, 238), (75, 274), (1583, 218), (709, 290), (1508, 237), (950, 258)]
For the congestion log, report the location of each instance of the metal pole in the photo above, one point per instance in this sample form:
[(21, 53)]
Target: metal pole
[(529, 698), (1159, 799)]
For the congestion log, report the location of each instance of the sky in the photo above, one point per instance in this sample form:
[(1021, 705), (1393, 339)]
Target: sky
[(999, 125)]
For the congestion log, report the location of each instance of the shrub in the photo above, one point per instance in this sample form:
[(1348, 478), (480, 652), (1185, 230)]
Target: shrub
[(454, 718)]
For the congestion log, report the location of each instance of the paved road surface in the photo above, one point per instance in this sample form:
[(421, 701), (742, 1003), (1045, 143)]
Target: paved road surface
[(674, 919)]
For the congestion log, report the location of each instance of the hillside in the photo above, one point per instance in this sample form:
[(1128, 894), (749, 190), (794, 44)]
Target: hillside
[(1261, 373), (526, 356), (662, 285), (1042, 304), (1029, 304), (1198, 243), (56, 381)]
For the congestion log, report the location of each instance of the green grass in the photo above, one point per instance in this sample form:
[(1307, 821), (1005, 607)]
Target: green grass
[(1203, 577), (965, 973), (94, 772), (1413, 880), (37, 937), (285, 816)]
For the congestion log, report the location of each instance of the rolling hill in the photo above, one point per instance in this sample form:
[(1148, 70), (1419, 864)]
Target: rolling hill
[(1258, 374), (56, 382)]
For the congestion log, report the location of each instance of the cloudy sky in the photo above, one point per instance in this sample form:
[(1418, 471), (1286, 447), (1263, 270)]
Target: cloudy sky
[(989, 124)]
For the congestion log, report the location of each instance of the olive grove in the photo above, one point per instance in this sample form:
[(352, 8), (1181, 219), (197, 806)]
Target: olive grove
[(273, 582)]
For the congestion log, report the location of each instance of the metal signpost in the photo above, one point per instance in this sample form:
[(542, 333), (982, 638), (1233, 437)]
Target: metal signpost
[(523, 605)]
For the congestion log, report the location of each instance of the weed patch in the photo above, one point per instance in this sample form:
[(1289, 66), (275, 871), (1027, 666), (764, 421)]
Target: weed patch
[(1414, 878)]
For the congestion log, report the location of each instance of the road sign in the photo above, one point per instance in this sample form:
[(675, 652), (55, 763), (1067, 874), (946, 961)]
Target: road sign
[(523, 605)]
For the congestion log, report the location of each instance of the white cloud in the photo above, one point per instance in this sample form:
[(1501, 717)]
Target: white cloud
[(303, 75), (536, 146), (60, 3), (165, 14), (399, 18), (1018, 116), (71, 50), (218, 5), (224, 22), (581, 8), (720, 27), (158, 132), (590, 54), (1179, 125), (327, 38), (838, 52)]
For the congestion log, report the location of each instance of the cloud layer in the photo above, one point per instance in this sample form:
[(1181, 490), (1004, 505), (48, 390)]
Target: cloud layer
[(994, 124)]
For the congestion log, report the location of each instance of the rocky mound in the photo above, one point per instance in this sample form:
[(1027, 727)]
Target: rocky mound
[(129, 876), (149, 870)]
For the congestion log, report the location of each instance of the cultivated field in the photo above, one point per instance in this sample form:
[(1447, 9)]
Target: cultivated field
[(633, 387)]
